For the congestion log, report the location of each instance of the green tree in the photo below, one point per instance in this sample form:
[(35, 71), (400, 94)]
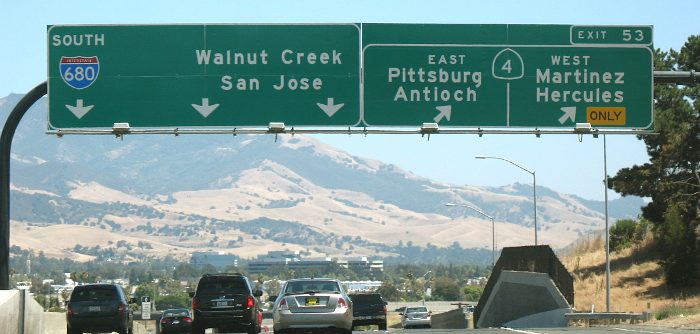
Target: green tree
[(389, 291), (445, 288), (672, 177), (473, 293)]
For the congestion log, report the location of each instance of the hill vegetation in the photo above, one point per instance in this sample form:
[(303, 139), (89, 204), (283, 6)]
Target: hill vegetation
[(637, 282)]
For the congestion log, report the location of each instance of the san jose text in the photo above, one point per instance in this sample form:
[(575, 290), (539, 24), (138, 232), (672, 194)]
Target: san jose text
[(281, 81)]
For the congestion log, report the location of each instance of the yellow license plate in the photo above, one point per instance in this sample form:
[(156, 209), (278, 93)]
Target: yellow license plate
[(312, 301)]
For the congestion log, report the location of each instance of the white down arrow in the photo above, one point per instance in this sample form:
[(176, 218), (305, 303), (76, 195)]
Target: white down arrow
[(79, 110), (205, 109)]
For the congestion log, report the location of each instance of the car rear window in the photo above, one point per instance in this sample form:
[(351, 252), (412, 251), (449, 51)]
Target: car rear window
[(176, 313), (305, 286), (93, 293), (223, 285), (416, 309), (367, 298)]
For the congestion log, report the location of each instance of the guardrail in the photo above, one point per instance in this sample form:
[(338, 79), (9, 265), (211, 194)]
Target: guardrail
[(607, 318)]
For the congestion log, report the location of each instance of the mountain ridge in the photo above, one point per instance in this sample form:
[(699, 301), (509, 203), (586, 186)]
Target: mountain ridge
[(295, 179)]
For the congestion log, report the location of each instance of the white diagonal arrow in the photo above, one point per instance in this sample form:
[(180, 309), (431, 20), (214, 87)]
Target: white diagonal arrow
[(445, 111), (79, 110), (205, 109), (330, 108), (569, 112)]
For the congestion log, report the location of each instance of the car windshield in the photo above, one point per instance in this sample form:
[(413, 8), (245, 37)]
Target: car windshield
[(93, 293), (176, 313), (311, 286), (416, 309)]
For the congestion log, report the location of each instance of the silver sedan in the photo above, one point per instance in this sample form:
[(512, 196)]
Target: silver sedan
[(416, 317), (312, 304)]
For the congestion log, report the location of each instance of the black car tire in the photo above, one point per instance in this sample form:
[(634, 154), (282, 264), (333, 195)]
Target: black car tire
[(197, 328), (72, 331), (382, 326), (253, 329)]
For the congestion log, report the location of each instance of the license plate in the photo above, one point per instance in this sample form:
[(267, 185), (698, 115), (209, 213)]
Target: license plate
[(221, 304), (175, 322), (312, 301), (94, 308)]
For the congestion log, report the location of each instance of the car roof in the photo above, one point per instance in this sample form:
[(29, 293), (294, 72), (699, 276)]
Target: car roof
[(311, 279)]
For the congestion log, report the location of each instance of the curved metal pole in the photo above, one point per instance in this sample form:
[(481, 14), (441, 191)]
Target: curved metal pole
[(5, 145), (493, 229), (534, 186)]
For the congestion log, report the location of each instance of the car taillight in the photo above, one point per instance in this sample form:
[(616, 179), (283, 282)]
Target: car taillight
[(342, 303), (251, 302), (283, 304), (121, 307), (164, 321), (69, 310), (384, 309), (195, 304), (187, 319)]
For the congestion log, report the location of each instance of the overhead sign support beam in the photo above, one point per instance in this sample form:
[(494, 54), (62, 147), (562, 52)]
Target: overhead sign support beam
[(5, 147)]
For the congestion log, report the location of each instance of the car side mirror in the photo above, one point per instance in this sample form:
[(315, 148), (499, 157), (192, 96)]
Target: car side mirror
[(257, 293), (133, 301), (191, 294)]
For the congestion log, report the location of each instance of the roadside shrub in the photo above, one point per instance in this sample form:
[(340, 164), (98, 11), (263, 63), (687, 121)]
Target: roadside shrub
[(673, 310), (626, 233), (473, 293)]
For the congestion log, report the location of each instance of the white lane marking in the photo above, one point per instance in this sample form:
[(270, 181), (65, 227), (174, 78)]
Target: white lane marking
[(519, 331), (639, 331)]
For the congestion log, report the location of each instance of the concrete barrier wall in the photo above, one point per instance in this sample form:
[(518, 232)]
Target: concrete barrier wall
[(10, 317), (537, 259), (33, 316), (139, 328), (454, 319), (54, 323), (9, 311)]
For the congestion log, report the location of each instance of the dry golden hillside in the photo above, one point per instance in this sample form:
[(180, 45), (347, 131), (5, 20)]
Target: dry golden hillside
[(636, 283)]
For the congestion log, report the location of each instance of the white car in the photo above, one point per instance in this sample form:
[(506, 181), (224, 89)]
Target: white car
[(318, 304), (417, 316)]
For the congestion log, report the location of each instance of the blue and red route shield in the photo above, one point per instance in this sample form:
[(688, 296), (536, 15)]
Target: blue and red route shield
[(79, 72)]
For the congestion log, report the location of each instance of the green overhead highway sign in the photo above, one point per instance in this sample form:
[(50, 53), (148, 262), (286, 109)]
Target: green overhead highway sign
[(507, 75), (156, 76), (308, 75)]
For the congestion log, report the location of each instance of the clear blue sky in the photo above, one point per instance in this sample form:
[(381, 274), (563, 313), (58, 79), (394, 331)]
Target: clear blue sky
[(560, 161)]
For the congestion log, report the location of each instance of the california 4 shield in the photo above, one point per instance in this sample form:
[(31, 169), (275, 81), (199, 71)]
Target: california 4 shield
[(79, 72)]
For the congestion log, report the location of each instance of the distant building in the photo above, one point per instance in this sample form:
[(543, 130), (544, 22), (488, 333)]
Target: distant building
[(220, 260), (292, 260), (362, 264), (361, 286)]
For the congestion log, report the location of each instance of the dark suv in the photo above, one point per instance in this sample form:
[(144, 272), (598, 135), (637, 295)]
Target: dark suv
[(368, 309), (226, 302), (99, 308)]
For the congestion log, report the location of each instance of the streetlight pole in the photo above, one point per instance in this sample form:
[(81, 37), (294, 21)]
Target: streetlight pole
[(493, 229), (425, 280), (534, 185)]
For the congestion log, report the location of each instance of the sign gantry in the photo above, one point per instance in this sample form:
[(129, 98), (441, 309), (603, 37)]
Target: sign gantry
[(309, 76)]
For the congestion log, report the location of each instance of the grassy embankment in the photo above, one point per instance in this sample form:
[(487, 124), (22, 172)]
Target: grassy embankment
[(637, 283)]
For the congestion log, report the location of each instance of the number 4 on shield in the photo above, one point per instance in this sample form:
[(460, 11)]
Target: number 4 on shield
[(508, 65)]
